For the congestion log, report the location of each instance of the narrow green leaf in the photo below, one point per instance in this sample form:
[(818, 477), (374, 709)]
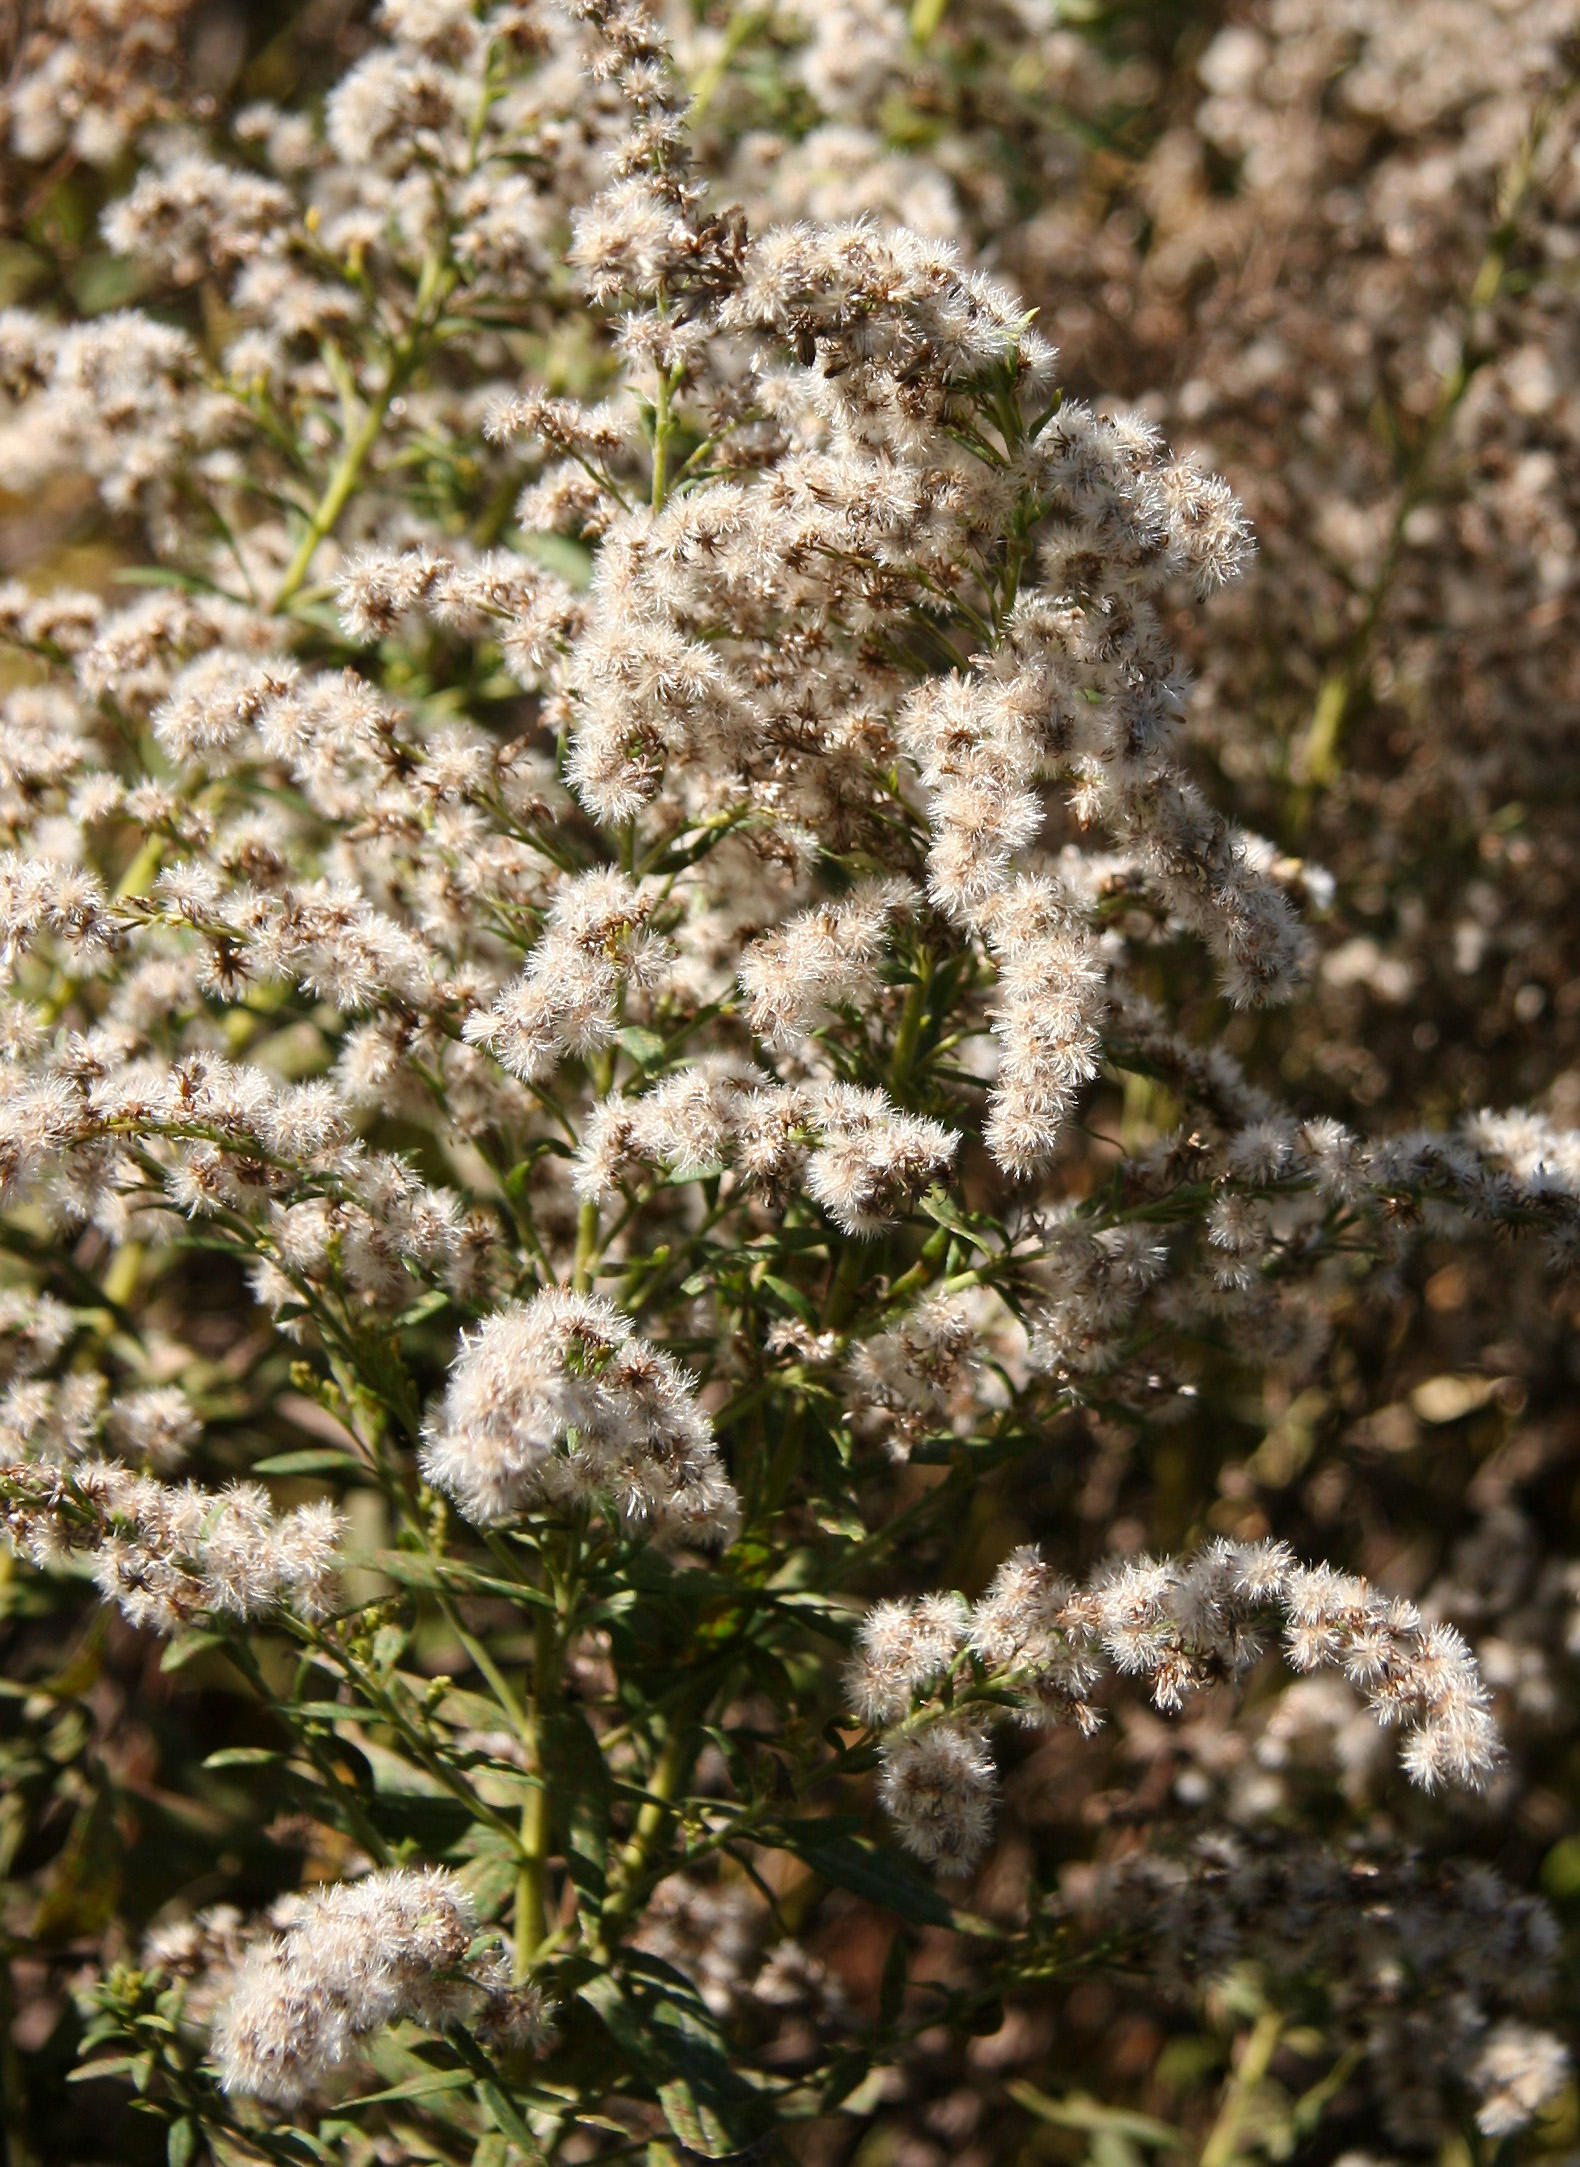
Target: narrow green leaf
[(187, 1647), (427, 1305), (408, 1570), (507, 2121), (118, 2065), (583, 1800), (319, 1460), (429, 2085), (156, 575), (501, 2109), (942, 1209), (792, 1298), (656, 2016)]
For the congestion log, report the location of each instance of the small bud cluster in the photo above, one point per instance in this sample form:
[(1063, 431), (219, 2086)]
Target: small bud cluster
[(595, 944), (713, 1932), (82, 81), (918, 1367), (58, 1420), (1520, 2070)]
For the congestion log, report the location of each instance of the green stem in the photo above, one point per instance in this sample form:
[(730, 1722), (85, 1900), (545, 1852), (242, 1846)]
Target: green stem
[(908, 1036), (532, 1925), (357, 1821), (926, 19), (382, 1706), (586, 1245), (347, 473), (139, 875), (1222, 2146), (434, 288), (670, 1771), (587, 1216), (663, 430), (536, 1816), (845, 1283), (934, 1250), (19, 2150), (741, 25)]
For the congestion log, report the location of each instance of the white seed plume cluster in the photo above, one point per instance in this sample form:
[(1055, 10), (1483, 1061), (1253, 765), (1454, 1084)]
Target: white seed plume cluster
[(820, 960), (899, 604), (916, 1369), (1179, 1625), (740, 688), (559, 1401), (851, 1148), (567, 1000), (172, 1552), (353, 1959), (713, 1932), (81, 82)]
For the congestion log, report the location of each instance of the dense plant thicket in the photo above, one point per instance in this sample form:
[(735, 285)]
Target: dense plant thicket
[(787, 1166)]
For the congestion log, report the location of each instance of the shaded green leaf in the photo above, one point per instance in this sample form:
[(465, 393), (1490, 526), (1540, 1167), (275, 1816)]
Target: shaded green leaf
[(187, 1647), (695, 2121), (642, 1045), (658, 2018), (891, 1994), (879, 1876), (583, 1800), (792, 1298)]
